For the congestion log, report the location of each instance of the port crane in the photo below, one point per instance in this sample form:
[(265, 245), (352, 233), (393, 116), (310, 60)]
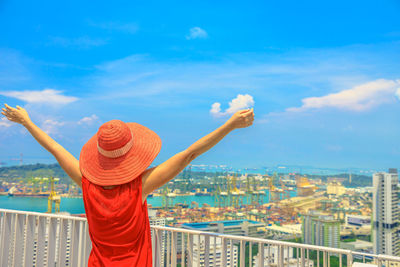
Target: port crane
[(234, 193), (274, 192), (167, 198), (53, 197), (218, 197)]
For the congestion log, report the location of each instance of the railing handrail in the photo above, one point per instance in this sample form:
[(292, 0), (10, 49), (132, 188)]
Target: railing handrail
[(49, 215), (279, 243), (254, 239)]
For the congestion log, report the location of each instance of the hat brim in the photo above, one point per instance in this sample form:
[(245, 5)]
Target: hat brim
[(105, 171)]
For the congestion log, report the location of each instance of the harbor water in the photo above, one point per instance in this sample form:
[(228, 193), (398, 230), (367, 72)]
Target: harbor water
[(75, 205)]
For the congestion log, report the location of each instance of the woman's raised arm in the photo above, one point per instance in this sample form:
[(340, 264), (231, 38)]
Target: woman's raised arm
[(66, 160), (158, 176)]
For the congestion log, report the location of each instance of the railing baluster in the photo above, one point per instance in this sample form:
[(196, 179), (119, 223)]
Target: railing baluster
[(280, 256), (190, 252), (168, 249), (173, 248), (41, 239), (3, 232), (349, 259), (215, 252), (303, 261), (19, 239), (88, 243), (206, 250), (30, 228), (5, 238), (156, 248), (329, 259), (324, 255), (242, 252), (80, 243), (183, 257), (153, 246), (62, 257), (12, 238), (51, 245), (317, 258), (76, 243), (198, 250), (223, 251), (261, 254), (340, 260)]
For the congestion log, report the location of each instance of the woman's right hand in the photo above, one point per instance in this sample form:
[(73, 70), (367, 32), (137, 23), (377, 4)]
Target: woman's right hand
[(18, 115), (241, 119)]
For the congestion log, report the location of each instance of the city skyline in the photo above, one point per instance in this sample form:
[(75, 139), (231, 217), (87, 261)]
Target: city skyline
[(323, 80)]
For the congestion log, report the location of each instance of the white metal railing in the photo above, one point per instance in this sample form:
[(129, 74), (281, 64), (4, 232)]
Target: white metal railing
[(40, 239)]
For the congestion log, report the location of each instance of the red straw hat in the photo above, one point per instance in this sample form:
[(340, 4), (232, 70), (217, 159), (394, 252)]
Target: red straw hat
[(118, 153)]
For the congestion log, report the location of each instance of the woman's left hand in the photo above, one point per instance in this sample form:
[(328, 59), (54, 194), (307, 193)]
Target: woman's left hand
[(18, 115)]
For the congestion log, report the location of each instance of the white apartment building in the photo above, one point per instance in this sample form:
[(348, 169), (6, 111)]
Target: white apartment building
[(215, 253), (157, 221), (386, 213), (271, 258)]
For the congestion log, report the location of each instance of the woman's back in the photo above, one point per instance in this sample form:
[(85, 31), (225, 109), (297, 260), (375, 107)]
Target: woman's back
[(118, 224)]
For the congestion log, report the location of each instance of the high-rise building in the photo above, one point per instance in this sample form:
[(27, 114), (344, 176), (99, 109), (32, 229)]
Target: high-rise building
[(214, 255), (271, 258), (234, 227), (321, 230), (157, 221), (386, 213)]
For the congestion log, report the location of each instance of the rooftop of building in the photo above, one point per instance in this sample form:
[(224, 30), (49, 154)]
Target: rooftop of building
[(201, 225)]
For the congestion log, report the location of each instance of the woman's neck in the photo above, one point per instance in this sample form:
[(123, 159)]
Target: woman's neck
[(109, 187)]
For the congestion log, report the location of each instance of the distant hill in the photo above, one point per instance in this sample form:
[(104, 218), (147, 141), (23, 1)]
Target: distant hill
[(357, 180), (24, 172)]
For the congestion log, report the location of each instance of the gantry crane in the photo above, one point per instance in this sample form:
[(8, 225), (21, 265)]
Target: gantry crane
[(53, 197), (274, 192), (167, 197)]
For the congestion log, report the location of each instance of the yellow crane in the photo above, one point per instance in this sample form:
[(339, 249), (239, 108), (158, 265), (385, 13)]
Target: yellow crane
[(236, 196), (274, 192), (53, 197)]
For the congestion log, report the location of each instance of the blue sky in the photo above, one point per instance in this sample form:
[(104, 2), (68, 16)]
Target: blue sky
[(323, 78)]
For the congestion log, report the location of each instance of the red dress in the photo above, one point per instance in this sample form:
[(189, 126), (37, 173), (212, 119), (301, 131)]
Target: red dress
[(118, 225)]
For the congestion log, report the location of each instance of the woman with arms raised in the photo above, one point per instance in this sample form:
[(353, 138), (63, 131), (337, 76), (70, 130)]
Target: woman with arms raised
[(112, 172)]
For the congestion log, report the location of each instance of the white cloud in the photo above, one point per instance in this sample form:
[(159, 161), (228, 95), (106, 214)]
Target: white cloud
[(215, 108), (50, 126), (238, 103), (45, 96), (359, 98), (197, 33), (398, 93), (4, 122), (88, 120)]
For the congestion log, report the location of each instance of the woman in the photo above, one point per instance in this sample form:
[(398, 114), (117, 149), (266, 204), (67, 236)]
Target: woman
[(112, 172)]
